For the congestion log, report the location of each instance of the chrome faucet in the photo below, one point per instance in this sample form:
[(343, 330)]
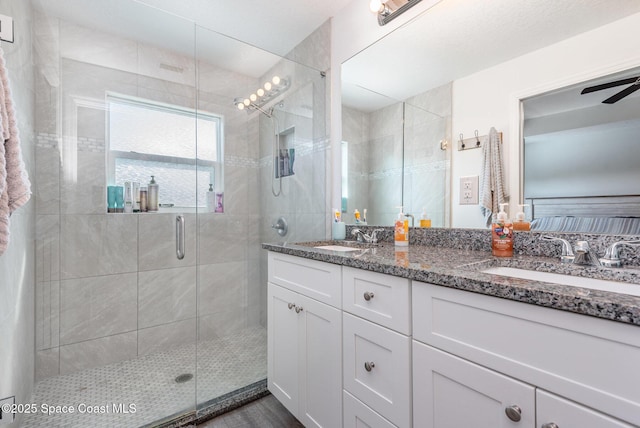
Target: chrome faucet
[(363, 237), (612, 257), (584, 256), (567, 252)]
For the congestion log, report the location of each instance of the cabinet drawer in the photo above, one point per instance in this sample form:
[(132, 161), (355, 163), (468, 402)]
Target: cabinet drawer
[(564, 413), (318, 280), (586, 359), (359, 415), (383, 299), (377, 368)]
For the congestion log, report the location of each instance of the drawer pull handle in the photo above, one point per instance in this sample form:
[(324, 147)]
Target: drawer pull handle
[(298, 309), (514, 413), (368, 295), (368, 366), (291, 305), (550, 425)]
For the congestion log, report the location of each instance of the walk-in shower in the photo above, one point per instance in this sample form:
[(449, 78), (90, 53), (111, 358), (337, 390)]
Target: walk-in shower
[(120, 319)]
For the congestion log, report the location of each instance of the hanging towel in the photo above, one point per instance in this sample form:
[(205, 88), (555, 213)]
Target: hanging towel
[(492, 191), (15, 188)]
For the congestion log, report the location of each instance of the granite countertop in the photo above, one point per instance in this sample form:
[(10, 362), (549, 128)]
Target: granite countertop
[(462, 269)]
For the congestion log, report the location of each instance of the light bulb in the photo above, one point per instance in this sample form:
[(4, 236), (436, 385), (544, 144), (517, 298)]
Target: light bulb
[(376, 6), (267, 86), (276, 80), (240, 106), (247, 102), (260, 92), (253, 97)]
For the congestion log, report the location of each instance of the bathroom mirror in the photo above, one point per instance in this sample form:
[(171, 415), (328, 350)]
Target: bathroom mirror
[(581, 154)]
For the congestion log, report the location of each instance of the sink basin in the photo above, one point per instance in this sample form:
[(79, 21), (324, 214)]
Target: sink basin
[(337, 248), (576, 281)]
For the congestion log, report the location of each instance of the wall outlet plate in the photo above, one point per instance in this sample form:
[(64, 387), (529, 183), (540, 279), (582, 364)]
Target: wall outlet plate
[(6, 418), (469, 190)]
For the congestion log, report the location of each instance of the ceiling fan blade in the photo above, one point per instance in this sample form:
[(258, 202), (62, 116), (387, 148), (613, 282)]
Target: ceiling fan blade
[(620, 95), (609, 85)]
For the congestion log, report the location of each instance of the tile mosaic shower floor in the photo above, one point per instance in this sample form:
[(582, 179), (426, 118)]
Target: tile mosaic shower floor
[(101, 397)]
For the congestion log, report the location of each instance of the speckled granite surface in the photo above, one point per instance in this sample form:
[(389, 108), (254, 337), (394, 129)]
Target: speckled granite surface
[(456, 258)]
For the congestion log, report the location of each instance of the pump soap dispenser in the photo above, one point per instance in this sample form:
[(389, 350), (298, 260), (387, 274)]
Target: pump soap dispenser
[(425, 221), (401, 230), (502, 235), (521, 223)]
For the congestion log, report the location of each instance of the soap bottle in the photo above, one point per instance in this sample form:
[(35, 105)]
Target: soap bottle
[(211, 199), (401, 230), (521, 223), (502, 235), (128, 197), (425, 221), (152, 196)]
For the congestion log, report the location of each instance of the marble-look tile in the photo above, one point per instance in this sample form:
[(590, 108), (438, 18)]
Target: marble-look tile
[(315, 50), (91, 123), (222, 238), (47, 180), (181, 68), (47, 247), (157, 241), (98, 352), (166, 336), (47, 363), (87, 195), (221, 324), (236, 189), (166, 295), (96, 307), (47, 307), (94, 245), (222, 287)]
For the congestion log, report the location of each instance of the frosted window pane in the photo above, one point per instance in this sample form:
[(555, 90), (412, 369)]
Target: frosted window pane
[(177, 182), (153, 129)]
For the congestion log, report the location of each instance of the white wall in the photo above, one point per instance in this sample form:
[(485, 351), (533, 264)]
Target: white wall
[(490, 97)]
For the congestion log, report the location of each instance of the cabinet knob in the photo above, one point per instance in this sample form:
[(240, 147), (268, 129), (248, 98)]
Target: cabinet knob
[(368, 366), (298, 309), (550, 425), (514, 413), (291, 305), (368, 295)]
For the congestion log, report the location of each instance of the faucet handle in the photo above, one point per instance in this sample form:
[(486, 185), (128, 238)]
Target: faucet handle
[(567, 252), (374, 235), (612, 257)]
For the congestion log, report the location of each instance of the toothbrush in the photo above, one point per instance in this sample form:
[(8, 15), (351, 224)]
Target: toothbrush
[(356, 213), (364, 215)]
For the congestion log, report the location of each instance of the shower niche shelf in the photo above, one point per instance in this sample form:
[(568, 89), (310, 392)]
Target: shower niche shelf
[(286, 154)]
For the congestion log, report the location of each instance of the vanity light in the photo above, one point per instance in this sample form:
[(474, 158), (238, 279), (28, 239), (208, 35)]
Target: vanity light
[(387, 10), (271, 89)]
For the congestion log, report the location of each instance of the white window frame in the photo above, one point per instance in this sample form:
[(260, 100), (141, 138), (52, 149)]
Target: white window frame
[(215, 167)]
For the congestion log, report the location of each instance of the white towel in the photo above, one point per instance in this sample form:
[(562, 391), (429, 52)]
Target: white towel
[(15, 188), (492, 191)]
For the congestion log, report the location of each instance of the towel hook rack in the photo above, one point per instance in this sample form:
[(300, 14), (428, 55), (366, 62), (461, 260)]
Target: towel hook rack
[(473, 142)]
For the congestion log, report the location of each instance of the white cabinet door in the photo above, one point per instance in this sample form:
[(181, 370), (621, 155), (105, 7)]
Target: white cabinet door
[(359, 415), (449, 392), (282, 346), (556, 412), (320, 351)]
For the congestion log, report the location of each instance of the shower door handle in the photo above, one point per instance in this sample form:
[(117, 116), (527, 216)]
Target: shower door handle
[(180, 237)]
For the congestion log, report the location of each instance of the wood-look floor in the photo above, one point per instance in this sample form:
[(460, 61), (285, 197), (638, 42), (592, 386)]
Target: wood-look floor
[(267, 412)]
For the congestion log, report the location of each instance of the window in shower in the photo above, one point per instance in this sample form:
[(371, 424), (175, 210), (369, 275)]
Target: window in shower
[(180, 147)]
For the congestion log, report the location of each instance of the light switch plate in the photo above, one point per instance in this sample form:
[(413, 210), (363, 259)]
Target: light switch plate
[(6, 28), (469, 190)]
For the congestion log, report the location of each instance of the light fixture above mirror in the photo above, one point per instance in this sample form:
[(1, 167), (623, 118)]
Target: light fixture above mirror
[(387, 10)]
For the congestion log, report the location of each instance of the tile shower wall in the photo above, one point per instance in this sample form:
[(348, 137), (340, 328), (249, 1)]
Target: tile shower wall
[(378, 143), (16, 264), (109, 287)]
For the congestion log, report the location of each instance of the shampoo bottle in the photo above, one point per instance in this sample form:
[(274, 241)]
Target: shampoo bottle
[(401, 230), (425, 221), (211, 199), (521, 223), (152, 196), (502, 235)]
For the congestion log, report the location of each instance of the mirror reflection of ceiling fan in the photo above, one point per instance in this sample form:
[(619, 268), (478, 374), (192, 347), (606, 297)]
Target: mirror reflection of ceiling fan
[(633, 81)]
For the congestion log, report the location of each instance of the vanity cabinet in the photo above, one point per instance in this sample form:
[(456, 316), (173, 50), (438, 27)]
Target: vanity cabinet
[(376, 349), (305, 339), (583, 369)]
